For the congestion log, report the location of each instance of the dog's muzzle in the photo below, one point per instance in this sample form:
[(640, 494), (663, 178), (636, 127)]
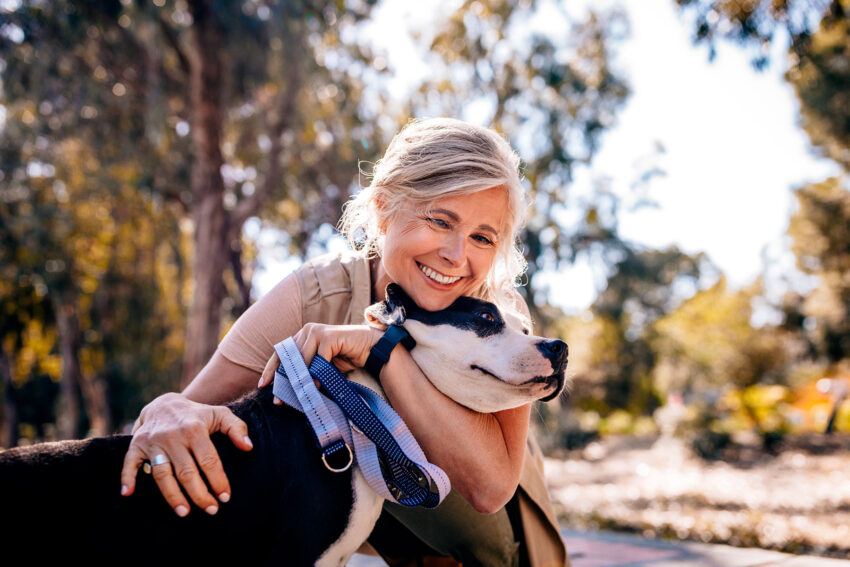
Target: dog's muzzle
[(556, 352)]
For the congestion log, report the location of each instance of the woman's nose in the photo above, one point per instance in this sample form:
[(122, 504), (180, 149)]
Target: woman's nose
[(454, 249)]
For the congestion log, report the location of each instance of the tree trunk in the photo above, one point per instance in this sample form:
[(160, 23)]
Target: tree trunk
[(68, 408), (93, 389), (10, 419), (211, 222), (243, 286)]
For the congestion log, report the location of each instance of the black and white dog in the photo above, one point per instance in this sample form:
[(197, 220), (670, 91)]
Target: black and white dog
[(60, 501)]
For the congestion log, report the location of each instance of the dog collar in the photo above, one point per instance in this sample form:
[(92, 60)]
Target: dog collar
[(380, 353)]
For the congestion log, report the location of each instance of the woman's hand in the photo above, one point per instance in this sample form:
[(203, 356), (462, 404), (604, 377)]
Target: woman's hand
[(174, 426), (345, 346)]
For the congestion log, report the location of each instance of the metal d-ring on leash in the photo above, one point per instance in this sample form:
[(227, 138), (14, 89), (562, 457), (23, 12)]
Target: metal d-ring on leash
[(355, 416), (294, 385)]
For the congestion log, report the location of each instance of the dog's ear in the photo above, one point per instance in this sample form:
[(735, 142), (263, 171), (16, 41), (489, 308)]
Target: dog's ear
[(391, 311)]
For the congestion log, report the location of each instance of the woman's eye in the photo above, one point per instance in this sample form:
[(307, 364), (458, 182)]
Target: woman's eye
[(483, 240), (440, 223)]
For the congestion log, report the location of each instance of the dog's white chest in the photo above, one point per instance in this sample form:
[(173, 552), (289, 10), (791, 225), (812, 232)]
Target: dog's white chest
[(365, 510)]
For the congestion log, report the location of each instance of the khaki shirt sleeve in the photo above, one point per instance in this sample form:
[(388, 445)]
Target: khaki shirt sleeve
[(276, 316)]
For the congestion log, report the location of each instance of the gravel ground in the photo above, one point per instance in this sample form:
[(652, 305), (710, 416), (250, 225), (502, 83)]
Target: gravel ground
[(796, 501)]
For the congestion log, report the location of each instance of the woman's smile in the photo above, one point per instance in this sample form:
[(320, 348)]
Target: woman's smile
[(437, 277), (444, 250)]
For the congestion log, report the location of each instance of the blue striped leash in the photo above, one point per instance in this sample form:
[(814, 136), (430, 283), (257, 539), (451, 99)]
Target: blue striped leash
[(357, 417)]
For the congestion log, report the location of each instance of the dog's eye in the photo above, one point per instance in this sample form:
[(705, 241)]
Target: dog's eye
[(487, 316), (526, 332)]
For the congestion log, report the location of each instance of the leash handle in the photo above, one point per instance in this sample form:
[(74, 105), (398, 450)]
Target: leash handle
[(355, 416), (410, 478)]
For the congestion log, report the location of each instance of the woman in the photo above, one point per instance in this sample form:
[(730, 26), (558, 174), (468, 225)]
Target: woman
[(440, 218)]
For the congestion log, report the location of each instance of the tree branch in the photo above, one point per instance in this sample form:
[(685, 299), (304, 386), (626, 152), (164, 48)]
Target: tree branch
[(252, 203), (174, 43)]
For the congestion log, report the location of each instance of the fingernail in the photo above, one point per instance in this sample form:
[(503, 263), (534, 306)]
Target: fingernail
[(211, 510), (181, 511), (247, 441), (224, 497), (124, 490)]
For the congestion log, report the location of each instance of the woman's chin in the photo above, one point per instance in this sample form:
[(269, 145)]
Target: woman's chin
[(429, 302)]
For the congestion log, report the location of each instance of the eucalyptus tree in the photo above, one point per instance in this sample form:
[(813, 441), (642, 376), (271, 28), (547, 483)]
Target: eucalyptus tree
[(217, 109), (818, 68), (544, 77)]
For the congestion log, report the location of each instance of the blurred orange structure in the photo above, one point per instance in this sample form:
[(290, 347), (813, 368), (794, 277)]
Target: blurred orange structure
[(819, 401)]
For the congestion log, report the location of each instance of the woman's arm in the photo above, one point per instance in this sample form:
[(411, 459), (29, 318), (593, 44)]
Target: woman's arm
[(481, 453), (179, 425)]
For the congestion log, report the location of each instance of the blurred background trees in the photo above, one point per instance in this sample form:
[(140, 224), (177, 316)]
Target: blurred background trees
[(140, 138)]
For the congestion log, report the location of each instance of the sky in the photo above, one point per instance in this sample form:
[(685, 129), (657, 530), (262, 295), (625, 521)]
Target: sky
[(732, 147)]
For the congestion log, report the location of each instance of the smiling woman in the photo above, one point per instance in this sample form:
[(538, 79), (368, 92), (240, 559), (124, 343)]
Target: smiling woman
[(445, 251), (440, 218)]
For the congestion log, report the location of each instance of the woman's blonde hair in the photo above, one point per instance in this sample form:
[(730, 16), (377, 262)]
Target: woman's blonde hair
[(441, 157)]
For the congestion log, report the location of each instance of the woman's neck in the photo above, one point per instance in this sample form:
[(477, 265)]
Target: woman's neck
[(379, 278)]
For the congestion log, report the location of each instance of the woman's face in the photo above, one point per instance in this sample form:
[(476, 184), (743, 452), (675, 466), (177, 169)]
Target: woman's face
[(447, 252)]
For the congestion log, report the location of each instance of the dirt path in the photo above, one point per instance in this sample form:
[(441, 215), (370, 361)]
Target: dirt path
[(796, 501)]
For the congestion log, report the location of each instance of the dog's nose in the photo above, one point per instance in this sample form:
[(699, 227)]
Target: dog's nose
[(556, 351)]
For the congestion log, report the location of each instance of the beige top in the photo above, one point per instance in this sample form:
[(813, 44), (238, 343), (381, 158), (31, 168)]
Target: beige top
[(336, 289)]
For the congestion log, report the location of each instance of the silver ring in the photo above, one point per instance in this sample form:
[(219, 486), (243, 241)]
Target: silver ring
[(159, 459)]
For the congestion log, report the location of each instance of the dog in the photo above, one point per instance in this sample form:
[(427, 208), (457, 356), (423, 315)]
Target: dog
[(62, 498)]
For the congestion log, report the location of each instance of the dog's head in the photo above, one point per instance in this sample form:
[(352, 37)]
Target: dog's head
[(474, 353)]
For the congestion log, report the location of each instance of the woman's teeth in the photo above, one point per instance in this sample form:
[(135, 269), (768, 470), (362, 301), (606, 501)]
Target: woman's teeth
[(438, 277)]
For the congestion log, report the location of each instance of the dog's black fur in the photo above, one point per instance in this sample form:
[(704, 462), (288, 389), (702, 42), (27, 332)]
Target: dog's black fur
[(61, 501)]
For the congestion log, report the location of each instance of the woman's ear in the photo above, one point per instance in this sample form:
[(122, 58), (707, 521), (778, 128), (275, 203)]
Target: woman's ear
[(382, 213)]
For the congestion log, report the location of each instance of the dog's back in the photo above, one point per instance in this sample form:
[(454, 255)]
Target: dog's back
[(62, 501)]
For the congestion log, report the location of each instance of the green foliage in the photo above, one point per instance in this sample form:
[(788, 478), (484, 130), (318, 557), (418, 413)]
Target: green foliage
[(818, 62), (820, 74), (553, 93), (640, 289), (98, 143), (820, 232), (708, 344), (756, 23), (98, 198)]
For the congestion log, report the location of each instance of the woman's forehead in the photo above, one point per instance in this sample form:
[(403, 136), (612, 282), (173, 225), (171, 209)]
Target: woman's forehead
[(488, 207)]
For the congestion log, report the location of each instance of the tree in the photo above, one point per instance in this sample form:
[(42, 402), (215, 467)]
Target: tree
[(818, 58), (820, 232), (708, 344), (219, 107), (819, 71), (642, 287), (553, 94)]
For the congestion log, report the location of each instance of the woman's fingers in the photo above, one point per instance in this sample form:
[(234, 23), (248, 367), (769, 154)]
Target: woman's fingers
[(347, 346), (268, 371), (132, 461), (163, 475), (186, 465), (201, 461), (174, 436), (233, 427), (307, 340)]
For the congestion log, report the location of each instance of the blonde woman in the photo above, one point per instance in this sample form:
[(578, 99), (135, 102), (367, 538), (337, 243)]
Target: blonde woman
[(440, 218)]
